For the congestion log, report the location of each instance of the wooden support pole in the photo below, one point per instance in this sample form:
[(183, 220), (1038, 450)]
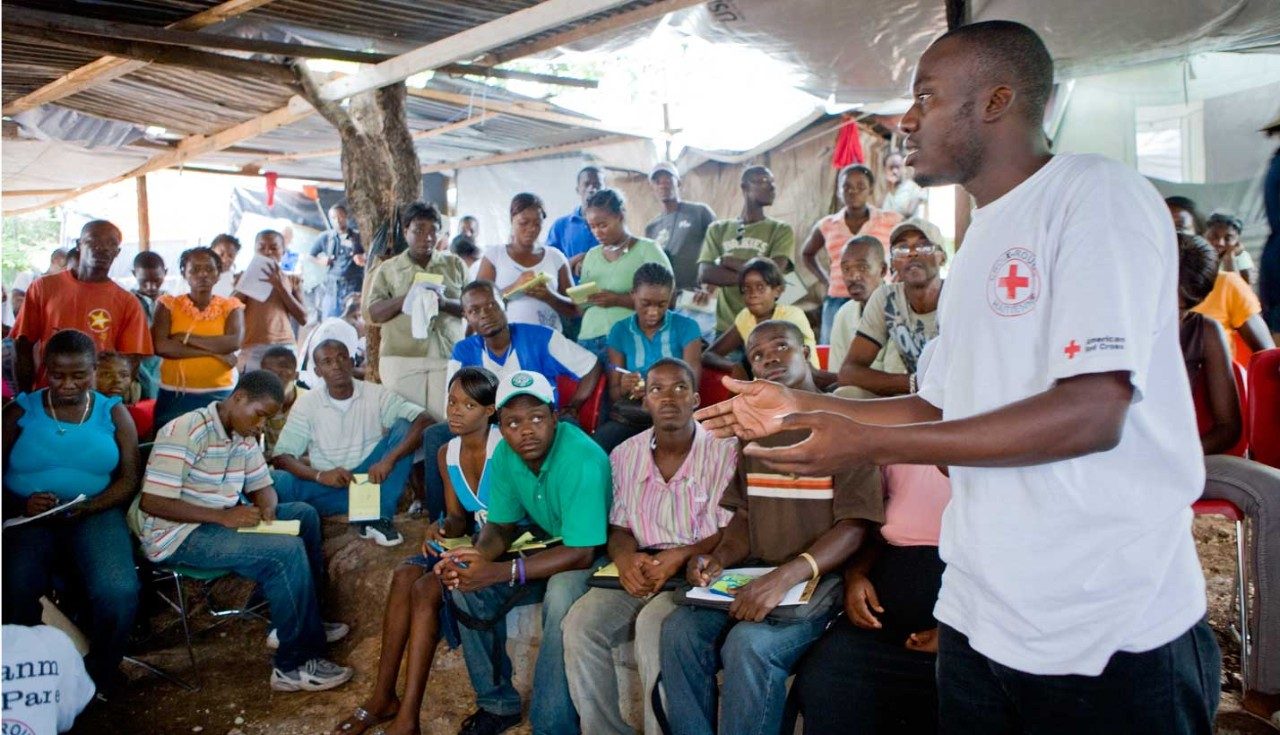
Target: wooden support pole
[(144, 216)]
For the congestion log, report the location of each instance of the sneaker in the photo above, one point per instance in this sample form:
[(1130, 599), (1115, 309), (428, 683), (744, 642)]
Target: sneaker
[(483, 722), (382, 531), (417, 509), (316, 675), (333, 632)]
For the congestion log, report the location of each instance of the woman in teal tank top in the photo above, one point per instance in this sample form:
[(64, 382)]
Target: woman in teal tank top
[(416, 604), (61, 442)]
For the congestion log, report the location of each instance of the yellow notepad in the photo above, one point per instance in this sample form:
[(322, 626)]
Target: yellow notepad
[(583, 291), (435, 278), (364, 500), (282, 528), (526, 542), (541, 278), (609, 570), (450, 544)]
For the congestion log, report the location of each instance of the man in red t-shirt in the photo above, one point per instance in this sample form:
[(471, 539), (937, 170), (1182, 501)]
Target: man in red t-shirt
[(85, 299)]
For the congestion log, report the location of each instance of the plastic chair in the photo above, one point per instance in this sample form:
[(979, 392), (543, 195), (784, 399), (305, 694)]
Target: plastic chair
[(824, 356), (1230, 511), (710, 389), (143, 414), (589, 412), (1202, 410), (1262, 417)]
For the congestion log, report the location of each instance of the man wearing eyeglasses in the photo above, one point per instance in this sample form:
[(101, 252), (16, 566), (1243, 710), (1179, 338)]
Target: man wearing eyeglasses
[(902, 313)]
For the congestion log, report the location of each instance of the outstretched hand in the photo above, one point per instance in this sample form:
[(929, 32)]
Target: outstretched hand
[(835, 442), (756, 411)]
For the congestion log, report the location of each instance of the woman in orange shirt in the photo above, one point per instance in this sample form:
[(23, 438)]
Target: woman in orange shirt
[(198, 335), (857, 217), (1233, 304)]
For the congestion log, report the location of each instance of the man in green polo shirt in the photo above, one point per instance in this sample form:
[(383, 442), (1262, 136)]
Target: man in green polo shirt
[(556, 477)]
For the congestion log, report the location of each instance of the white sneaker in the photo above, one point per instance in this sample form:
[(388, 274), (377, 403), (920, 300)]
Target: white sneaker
[(333, 632), (382, 532), (316, 675)]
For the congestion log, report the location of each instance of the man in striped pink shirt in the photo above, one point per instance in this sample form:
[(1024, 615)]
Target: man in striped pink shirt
[(667, 485)]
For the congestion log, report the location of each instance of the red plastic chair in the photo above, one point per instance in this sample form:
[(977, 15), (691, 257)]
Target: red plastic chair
[(710, 390), (589, 412), (1232, 512), (143, 414), (1262, 417), (824, 356)]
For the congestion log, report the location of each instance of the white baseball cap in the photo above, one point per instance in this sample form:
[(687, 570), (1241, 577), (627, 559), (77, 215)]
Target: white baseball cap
[(525, 382)]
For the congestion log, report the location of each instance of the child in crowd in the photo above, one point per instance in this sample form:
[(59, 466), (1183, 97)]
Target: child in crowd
[(413, 604), (282, 363), (206, 479), (762, 285), (652, 333), (270, 322), (115, 378), (149, 270)]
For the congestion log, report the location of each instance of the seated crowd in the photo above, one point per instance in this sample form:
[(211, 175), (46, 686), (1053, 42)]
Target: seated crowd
[(490, 415)]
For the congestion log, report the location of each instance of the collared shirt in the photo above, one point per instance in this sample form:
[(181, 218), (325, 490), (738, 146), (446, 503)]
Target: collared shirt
[(394, 278), (342, 433), (571, 235), (639, 351), (195, 461), (664, 514), (680, 234), (568, 497), (533, 347)]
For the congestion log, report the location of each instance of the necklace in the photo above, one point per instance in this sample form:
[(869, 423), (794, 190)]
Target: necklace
[(54, 414), (620, 246)]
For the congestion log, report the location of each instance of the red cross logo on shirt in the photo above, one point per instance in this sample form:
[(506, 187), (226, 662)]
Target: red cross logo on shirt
[(1011, 282), (1071, 350)]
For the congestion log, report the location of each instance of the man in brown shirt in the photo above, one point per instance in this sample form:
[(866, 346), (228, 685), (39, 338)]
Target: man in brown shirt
[(804, 527), (268, 323)]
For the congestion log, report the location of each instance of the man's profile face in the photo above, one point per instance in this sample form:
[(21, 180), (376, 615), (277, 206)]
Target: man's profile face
[(248, 415), (944, 144)]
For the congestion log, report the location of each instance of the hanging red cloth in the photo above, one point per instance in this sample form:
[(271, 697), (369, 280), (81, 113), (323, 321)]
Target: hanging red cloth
[(848, 145), (272, 177)]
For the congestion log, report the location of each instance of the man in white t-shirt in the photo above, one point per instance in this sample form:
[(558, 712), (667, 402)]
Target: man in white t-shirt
[(1073, 601), (45, 683)]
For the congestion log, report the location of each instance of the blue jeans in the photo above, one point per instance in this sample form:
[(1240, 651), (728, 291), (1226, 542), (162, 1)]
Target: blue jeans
[(99, 548), (1172, 689), (551, 712), (332, 501), (756, 657), (434, 437), (830, 305), (172, 404), (288, 569)]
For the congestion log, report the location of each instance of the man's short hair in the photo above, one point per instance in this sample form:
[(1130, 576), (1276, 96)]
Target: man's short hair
[(280, 352), (268, 233), (786, 326), (482, 284), (231, 240), (677, 363), (1197, 268), (590, 170), (339, 207), (750, 171), (420, 210), (95, 222), (1006, 51), (327, 344), (464, 246), (148, 259), (653, 274), (870, 242), (259, 384)]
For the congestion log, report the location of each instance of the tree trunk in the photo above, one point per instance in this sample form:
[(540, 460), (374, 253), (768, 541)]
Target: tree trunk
[(380, 168)]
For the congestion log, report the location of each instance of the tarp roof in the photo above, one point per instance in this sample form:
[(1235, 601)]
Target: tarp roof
[(847, 51)]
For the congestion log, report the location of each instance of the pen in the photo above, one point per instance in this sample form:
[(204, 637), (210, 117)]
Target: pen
[(436, 547)]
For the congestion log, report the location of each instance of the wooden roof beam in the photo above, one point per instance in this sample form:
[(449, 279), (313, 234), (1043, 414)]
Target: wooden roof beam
[(516, 110), (604, 25), (554, 150), (111, 67), (435, 132)]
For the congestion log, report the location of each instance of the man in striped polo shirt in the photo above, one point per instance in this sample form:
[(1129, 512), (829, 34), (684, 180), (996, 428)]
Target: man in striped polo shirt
[(804, 527), (667, 485), (206, 480)]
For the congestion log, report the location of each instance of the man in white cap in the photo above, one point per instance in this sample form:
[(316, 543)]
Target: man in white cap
[(902, 313), (557, 477), (681, 227)]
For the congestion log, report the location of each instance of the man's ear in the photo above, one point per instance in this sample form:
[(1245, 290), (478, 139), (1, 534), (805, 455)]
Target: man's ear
[(1000, 101)]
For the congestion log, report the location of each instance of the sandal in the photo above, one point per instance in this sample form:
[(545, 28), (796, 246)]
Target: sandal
[(360, 721)]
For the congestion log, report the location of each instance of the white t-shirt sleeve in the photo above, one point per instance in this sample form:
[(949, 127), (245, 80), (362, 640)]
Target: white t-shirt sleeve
[(1113, 279), (573, 356), (931, 371)]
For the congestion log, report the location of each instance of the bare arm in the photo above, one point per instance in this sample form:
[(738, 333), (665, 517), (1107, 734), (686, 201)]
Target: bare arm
[(857, 370), (693, 357), (714, 355), (1221, 395), (229, 341), (718, 275), (180, 511), (487, 271), (166, 345), (1255, 334), (586, 387), (381, 312), (810, 256)]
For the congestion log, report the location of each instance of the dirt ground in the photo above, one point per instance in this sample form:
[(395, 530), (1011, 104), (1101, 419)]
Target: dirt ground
[(234, 664)]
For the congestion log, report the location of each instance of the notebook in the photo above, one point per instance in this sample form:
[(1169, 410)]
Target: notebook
[(583, 291), (281, 528), (364, 500)]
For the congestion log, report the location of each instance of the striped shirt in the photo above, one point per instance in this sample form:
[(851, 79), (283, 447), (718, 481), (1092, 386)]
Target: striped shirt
[(195, 461), (664, 514), (787, 514)]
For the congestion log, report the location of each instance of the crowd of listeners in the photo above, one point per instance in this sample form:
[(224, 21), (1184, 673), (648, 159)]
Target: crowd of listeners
[(491, 418)]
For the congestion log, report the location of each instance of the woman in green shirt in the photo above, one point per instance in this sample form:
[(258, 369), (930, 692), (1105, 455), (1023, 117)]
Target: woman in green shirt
[(611, 266)]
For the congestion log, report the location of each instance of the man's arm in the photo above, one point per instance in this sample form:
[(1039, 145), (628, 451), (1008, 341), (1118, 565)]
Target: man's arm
[(412, 440), (338, 477), (180, 511), (809, 255), (1077, 416), (755, 601), (724, 273), (585, 388), (857, 370)]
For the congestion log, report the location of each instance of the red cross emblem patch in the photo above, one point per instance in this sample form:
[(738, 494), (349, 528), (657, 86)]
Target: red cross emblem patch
[(1013, 285)]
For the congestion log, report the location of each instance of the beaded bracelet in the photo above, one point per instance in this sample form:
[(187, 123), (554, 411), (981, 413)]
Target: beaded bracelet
[(520, 567), (512, 581)]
